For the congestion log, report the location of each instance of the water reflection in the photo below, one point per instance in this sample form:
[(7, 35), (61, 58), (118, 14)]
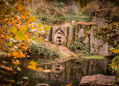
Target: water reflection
[(64, 73)]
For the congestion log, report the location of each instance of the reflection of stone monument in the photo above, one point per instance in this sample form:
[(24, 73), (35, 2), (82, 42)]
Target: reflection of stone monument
[(59, 37)]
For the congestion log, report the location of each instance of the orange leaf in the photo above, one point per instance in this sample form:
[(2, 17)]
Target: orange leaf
[(18, 55), (33, 27), (20, 7), (7, 37), (28, 21), (25, 13), (20, 23), (22, 17), (3, 48)]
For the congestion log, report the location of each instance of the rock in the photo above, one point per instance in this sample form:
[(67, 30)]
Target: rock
[(97, 80), (42, 84)]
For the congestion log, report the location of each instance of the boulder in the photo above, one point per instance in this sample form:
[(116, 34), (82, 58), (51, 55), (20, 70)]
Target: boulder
[(97, 80)]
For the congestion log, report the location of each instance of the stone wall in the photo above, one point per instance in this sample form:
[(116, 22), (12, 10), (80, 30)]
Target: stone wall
[(60, 35), (97, 46), (65, 35)]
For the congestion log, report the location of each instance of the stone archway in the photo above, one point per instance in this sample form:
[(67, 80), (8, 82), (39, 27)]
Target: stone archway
[(59, 37)]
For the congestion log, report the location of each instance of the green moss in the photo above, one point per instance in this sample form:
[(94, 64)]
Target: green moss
[(89, 42), (94, 57), (74, 32), (78, 28), (67, 37), (50, 38)]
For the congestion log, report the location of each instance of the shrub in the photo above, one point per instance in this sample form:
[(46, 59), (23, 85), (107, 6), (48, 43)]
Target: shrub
[(77, 46), (43, 52)]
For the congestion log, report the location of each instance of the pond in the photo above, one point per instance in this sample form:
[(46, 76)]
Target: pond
[(61, 74)]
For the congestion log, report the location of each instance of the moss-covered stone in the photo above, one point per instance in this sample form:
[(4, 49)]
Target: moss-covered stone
[(67, 37)]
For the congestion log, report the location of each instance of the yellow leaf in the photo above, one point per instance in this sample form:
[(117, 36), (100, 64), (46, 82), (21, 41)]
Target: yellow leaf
[(23, 29), (13, 30), (46, 28), (33, 67), (40, 25), (40, 29), (9, 44), (111, 48), (39, 68), (32, 19), (41, 39), (32, 63)]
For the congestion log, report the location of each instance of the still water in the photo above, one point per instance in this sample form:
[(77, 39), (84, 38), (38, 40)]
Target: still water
[(61, 74)]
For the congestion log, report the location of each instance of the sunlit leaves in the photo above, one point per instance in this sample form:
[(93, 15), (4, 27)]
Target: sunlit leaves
[(16, 29), (13, 30), (115, 61)]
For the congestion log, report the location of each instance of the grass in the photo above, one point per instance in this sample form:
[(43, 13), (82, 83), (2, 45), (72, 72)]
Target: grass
[(94, 57)]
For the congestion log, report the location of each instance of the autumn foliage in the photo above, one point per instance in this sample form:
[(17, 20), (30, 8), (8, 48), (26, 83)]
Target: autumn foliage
[(17, 28)]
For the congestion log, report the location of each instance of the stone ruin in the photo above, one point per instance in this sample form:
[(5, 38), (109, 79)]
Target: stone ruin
[(65, 35)]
